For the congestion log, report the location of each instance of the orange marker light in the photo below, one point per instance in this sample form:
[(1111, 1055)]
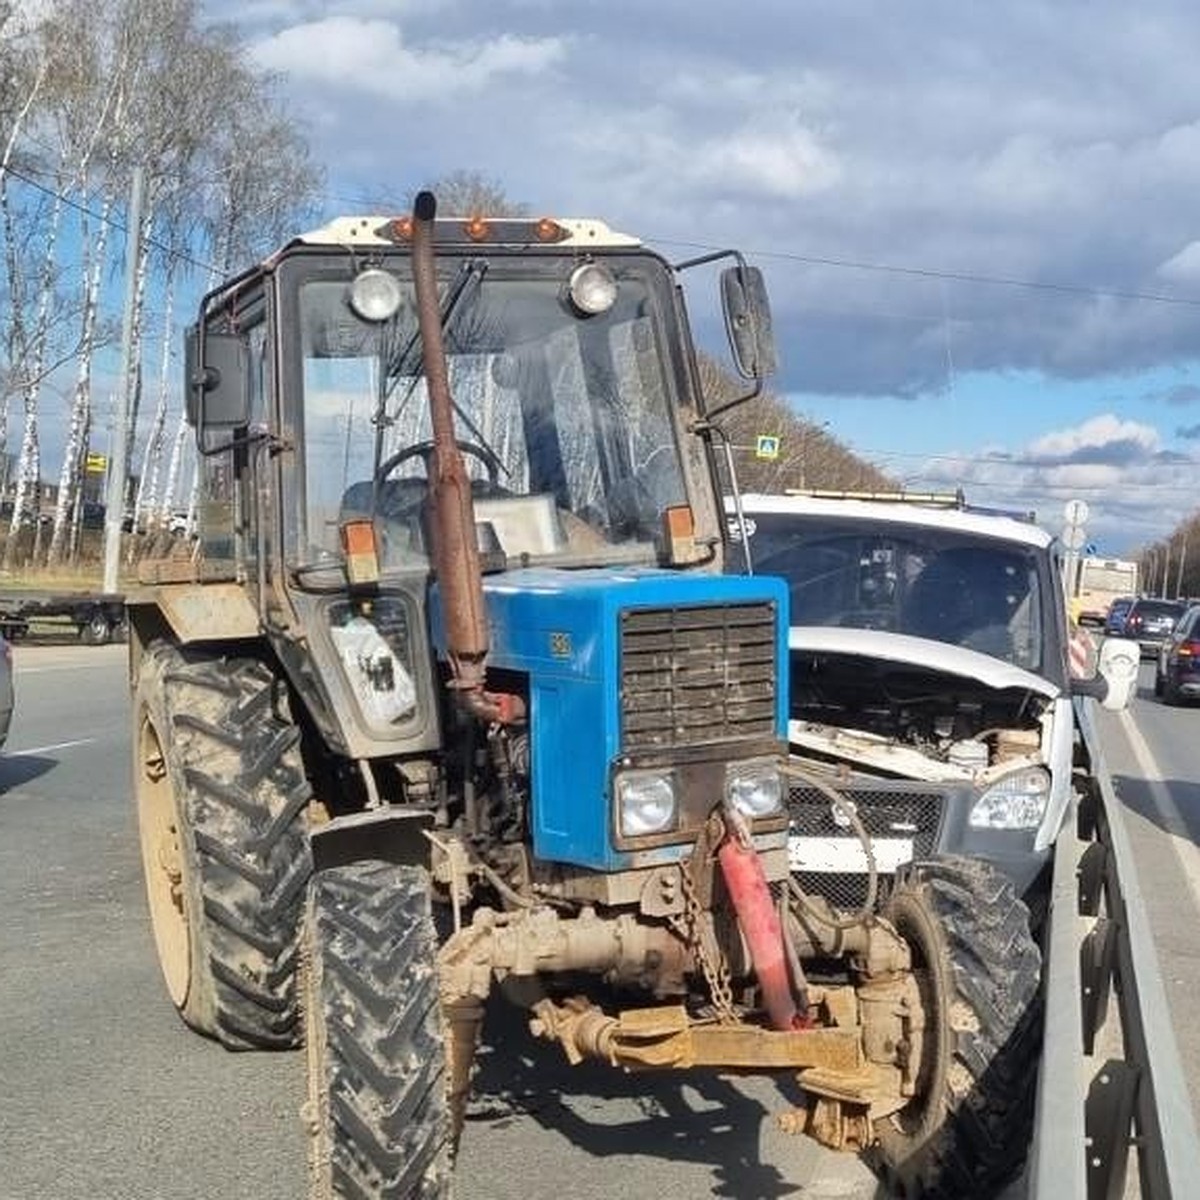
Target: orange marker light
[(679, 533), (477, 229), (402, 227), (362, 555), (547, 230)]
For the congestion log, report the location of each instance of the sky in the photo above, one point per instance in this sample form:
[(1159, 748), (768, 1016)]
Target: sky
[(979, 224)]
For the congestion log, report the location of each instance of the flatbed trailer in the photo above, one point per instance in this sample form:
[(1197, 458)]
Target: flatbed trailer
[(99, 617)]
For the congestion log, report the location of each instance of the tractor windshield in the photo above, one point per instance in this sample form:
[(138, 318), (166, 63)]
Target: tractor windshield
[(564, 419)]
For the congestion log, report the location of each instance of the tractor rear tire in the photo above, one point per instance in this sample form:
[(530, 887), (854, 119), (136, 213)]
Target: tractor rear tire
[(222, 808), (379, 1110), (978, 967)]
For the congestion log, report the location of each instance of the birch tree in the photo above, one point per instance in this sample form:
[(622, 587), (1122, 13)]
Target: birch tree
[(22, 76)]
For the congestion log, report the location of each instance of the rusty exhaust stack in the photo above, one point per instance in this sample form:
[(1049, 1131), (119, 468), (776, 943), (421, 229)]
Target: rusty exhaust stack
[(455, 546)]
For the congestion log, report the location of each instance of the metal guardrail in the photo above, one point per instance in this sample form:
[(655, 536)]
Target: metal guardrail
[(1104, 1091)]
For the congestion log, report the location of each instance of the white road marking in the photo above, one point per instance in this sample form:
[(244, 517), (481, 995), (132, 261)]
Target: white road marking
[(1185, 849), (51, 746)]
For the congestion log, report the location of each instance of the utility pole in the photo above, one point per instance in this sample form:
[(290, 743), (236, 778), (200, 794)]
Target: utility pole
[(1179, 573), (114, 514), (1162, 591)]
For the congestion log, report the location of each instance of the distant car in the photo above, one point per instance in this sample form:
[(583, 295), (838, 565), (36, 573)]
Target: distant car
[(1114, 619), (6, 688), (1178, 674), (1150, 622)]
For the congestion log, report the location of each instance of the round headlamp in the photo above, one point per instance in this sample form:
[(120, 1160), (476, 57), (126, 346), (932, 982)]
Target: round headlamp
[(375, 295), (645, 802), (592, 288), (754, 788)]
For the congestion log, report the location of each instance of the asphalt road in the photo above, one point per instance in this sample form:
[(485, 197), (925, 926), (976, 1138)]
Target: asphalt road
[(104, 1094)]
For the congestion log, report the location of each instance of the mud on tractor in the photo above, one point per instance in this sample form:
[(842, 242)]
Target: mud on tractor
[(456, 693)]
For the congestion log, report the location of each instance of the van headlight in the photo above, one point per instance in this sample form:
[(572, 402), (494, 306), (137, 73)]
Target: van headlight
[(1018, 801), (645, 802), (754, 788)]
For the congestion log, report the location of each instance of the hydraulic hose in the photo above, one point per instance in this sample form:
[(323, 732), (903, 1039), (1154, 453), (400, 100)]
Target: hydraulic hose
[(761, 927)]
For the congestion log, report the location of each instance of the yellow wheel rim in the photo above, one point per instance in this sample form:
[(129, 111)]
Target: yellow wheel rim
[(162, 862)]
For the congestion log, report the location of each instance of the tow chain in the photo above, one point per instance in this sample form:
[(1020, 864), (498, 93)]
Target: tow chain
[(690, 928)]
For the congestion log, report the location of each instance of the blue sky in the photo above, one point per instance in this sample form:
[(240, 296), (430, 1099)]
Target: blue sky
[(979, 226)]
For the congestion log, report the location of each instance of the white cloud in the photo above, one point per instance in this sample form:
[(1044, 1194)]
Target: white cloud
[(1093, 437), (1118, 467), (1184, 266), (370, 55)]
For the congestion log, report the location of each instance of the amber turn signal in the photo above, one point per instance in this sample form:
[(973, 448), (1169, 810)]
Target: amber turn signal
[(362, 554)]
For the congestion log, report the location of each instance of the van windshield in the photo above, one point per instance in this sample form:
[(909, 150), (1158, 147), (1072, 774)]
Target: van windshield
[(945, 585)]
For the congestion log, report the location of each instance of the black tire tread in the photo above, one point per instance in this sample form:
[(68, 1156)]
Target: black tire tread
[(245, 798), (995, 1019), (377, 1067)]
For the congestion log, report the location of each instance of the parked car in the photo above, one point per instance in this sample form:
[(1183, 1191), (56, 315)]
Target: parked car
[(1149, 622), (1114, 619), (6, 688), (1178, 674)]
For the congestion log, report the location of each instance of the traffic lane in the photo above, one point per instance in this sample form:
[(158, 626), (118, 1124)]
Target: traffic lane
[(109, 1096), (105, 1093), (1145, 752), (1170, 733), (70, 721)]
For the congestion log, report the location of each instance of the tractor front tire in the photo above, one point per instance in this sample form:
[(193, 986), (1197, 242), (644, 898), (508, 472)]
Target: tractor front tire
[(222, 809), (978, 969), (379, 1111)]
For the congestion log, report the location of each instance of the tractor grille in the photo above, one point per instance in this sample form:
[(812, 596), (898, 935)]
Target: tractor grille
[(886, 812), (697, 674)]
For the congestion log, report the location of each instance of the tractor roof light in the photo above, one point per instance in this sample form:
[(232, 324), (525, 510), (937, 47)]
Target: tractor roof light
[(375, 295), (592, 288)]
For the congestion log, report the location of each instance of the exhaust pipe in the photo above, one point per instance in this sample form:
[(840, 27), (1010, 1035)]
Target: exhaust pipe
[(455, 545)]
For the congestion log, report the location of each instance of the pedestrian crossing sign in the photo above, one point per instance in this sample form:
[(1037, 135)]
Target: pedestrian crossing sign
[(766, 446)]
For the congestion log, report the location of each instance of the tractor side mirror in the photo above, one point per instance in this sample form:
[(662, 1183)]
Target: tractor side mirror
[(748, 321), (215, 371)]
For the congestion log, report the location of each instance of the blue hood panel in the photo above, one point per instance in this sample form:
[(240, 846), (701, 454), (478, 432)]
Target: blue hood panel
[(561, 630)]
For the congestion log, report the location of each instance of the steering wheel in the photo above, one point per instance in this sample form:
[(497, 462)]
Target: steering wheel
[(425, 450)]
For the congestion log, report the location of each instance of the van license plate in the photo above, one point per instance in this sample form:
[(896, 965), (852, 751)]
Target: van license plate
[(846, 855)]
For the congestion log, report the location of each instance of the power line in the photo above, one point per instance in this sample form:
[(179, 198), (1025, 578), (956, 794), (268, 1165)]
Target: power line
[(950, 276), (848, 264), (111, 222), (977, 458)]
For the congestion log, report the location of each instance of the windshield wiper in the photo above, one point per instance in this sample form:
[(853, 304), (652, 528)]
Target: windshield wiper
[(396, 367)]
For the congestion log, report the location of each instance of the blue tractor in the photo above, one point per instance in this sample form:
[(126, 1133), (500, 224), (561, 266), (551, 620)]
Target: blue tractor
[(456, 693)]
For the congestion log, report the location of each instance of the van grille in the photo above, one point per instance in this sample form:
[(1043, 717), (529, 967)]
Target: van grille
[(697, 674), (886, 812)]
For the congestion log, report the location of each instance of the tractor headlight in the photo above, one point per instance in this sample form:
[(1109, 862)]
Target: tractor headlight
[(645, 802), (375, 295), (1018, 801), (592, 288), (754, 788)]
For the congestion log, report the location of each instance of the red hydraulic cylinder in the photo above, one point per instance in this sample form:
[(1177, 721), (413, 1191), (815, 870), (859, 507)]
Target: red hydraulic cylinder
[(756, 914)]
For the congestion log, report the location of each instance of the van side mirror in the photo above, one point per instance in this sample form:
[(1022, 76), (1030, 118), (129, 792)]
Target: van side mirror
[(748, 321), (215, 377), (1120, 659)]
